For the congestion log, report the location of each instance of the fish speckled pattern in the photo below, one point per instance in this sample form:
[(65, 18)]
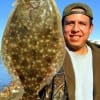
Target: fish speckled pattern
[(33, 45)]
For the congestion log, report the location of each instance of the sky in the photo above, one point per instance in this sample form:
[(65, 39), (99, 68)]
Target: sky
[(6, 7)]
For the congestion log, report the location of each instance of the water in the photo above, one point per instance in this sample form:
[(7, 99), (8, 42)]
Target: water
[(5, 78)]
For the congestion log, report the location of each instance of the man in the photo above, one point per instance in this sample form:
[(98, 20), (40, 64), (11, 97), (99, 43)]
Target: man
[(79, 78)]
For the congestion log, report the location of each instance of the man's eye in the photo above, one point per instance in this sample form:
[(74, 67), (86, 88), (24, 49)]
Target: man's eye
[(82, 23), (68, 23)]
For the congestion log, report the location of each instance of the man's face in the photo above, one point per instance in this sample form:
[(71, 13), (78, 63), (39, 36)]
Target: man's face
[(76, 29)]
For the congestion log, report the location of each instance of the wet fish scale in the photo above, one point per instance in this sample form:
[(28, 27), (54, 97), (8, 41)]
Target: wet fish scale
[(33, 45)]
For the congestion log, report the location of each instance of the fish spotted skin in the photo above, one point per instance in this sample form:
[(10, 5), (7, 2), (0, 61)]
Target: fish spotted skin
[(33, 45)]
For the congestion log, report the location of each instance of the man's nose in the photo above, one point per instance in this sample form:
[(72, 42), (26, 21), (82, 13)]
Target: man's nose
[(76, 27)]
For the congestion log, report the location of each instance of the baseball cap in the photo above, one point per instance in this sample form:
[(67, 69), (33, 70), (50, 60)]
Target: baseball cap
[(78, 8)]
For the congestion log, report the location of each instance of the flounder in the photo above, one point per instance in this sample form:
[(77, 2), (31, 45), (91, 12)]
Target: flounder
[(33, 47)]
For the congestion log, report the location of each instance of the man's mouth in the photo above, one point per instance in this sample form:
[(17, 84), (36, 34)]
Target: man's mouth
[(75, 37)]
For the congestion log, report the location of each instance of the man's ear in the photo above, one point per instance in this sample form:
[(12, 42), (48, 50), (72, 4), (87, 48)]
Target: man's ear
[(91, 28)]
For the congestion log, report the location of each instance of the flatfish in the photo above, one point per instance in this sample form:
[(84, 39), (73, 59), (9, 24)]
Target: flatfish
[(33, 47)]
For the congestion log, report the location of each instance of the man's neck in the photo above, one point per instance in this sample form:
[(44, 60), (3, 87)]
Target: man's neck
[(81, 51)]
